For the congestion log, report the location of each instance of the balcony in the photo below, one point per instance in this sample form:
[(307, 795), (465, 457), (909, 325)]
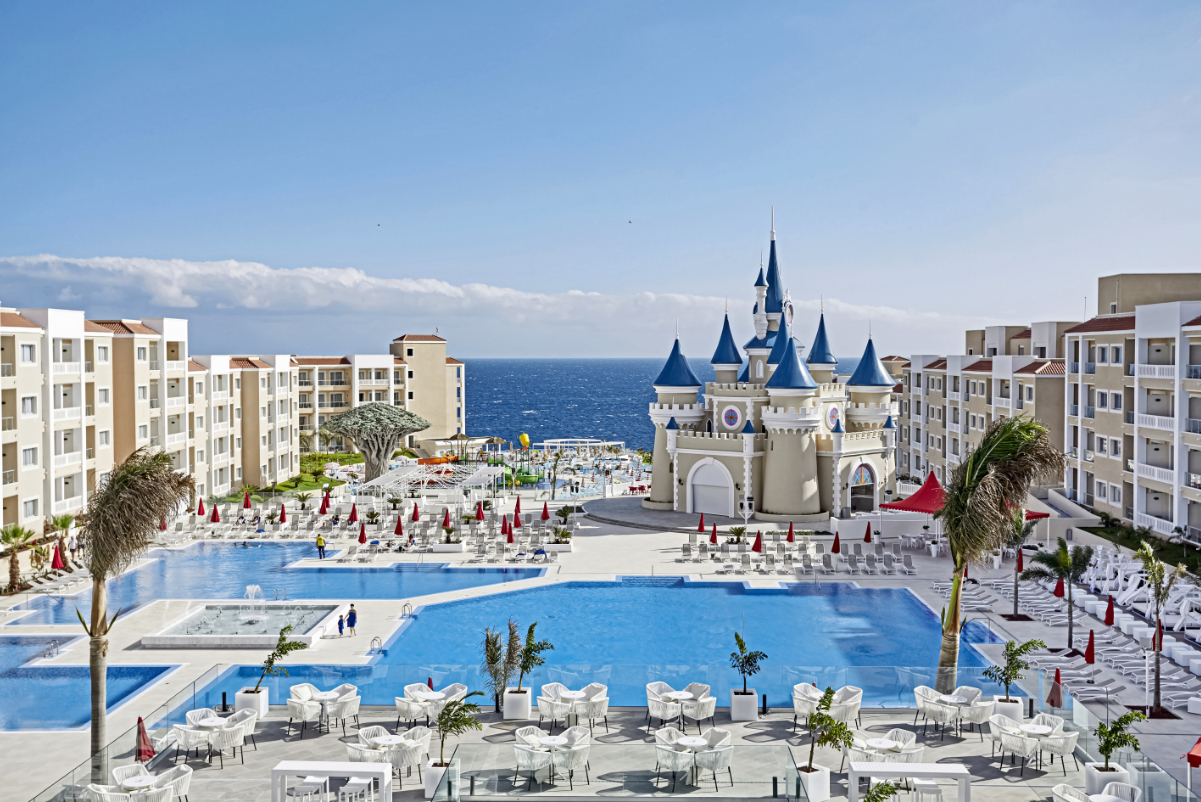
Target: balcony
[(1193, 425), (374, 381), (220, 425), (68, 504), (1194, 480), (176, 364), (220, 395), (176, 438), (1072, 452), (65, 367), (89, 453), (1154, 523), (1019, 404), (89, 411), (1090, 367), (8, 424), (1129, 465), (1161, 422), (88, 367), (1000, 401), (221, 490), (333, 382), (8, 478), (335, 404), (154, 403), (1090, 412), (67, 413), (1073, 410), (305, 405), (177, 401), (1129, 416), (1090, 455), (1074, 367), (7, 369), (1192, 372), (1157, 371), (69, 458), (304, 382), (1166, 475), (154, 364)]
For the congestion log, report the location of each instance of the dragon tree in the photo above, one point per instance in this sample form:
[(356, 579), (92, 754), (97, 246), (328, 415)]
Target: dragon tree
[(376, 430)]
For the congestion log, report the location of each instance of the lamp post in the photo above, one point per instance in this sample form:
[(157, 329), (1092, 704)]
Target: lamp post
[(747, 507)]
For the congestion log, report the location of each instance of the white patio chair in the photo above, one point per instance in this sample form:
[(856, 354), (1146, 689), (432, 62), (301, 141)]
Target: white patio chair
[(1123, 791), (303, 713), (531, 760), (178, 779), (122, 773), (1018, 746), (345, 708), (975, 715), (1048, 720), (552, 710), (570, 759), (107, 793), (406, 757), (967, 692), (189, 738), (699, 709), (594, 707), (551, 690), (194, 716), (1062, 744), (226, 738), (358, 753), (668, 759), (303, 691), (716, 736), (529, 737), (408, 710), (999, 725), (663, 710), (1066, 793), (367, 735), (714, 760), (248, 720), (942, 716)]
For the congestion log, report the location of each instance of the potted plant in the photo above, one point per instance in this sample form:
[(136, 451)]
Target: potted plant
[(395, 501), (499, 662), (1009, 673), (743, 706), (824, 730), (880, 792), (303, 498), (372, 517), (257, 698), (1111, 738), (272, 517), (456, 718), (529, 657), (737, 532)]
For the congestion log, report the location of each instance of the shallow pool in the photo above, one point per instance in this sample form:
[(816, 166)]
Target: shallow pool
[(222, 570)]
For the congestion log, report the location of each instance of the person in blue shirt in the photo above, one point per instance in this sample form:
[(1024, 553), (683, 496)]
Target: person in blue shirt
[(352, 618)]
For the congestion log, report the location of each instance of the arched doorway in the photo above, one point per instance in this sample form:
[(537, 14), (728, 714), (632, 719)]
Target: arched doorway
[(710, 489), (863, 488)]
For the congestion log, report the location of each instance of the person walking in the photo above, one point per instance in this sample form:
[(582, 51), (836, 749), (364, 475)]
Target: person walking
[(341, 623), (72, 544), (352, 618), (320, 547)]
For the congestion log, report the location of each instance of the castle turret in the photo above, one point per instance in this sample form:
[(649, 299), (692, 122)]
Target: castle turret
[(676, 386), (775, 285), (870, 388), (821, 360), (790, 485), (783, 342), (726, 359)]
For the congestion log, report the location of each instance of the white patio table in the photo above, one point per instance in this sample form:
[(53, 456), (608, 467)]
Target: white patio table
[(380, 772), (920, 771)]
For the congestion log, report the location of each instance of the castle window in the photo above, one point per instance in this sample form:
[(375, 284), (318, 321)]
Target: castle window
[(759, 370)]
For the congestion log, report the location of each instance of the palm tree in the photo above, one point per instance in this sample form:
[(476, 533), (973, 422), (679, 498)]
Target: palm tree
[(61, 523), (1019, 532), (1067, 565), (992, 480), (121, 522), (15, 537), (1159, 584)]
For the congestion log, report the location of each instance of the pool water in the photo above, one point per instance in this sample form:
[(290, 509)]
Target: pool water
[(222, 570), (47, 697), (631, 632), (247, 619)]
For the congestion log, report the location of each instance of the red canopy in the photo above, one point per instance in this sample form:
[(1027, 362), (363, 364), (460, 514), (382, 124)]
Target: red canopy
[(57, 563), (701, 526), (758, 542), (416, 514), (246, 501), (1089, 656), (836, 548), (791, 538), (545, 512), (283, 514), (1194, 755), (399, 531), (145, 749), (200, 507), (1059, 588), (928, 498), (713, 537), (162, 525), (354, 514), (1031, 515), (1109, 613), (362, 533), (867, 536)]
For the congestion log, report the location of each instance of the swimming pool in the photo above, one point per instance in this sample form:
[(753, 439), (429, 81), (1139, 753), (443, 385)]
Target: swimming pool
[(222, 570), (631, 632), (45, 697)]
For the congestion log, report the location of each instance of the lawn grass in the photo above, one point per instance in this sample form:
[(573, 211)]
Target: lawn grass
[(1170, 553)]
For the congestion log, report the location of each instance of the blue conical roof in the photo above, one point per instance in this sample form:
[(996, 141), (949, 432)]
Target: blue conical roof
[(836, 430), (775, 285), (761, 281), (888, 424), (749, 428), (819, 352), (672, 425), (727, 351), (676, 372), (781, 342), (745, 376), (871, 371), (790, 373)]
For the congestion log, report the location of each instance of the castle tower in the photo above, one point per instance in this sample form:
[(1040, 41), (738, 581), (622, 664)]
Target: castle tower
[(758, 347), (676, 386), (870, 388), (821, 360), (726, 359), (775, 286), (790, 418), (867, 474)]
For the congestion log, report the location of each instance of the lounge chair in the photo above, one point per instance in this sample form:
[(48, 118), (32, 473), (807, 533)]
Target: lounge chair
[(907, 564)]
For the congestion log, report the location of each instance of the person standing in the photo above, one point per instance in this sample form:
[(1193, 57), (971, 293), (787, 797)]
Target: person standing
[(341, 623), (320, 547), (352, 618), (72, 544)]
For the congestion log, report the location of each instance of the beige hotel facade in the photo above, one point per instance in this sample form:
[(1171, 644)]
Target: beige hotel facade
[(79, 395)]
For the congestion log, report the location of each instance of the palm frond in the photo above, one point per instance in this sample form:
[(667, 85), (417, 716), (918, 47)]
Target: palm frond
[(1037, 572)]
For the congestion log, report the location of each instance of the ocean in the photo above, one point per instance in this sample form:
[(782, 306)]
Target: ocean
[(605, 399)]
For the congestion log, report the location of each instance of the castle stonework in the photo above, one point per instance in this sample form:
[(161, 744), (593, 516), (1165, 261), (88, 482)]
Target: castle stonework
[(774, 435)]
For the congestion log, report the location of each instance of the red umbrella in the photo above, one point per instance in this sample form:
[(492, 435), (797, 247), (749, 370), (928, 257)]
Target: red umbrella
[(216, 517), (965, 571), (362, 533), (479, 510), (1055, 697), (1194, 755), (283, 514), (758, 542), (200, 507), (836, 548), (701, 527), (510, 536), (1019, 561), (867, 536), (516, 522), (791, 539), (713, 537), (517, 507), (162, 525), (430, 682), (545, 512), (57, 563), (354, 514), (399, 531), (145, 748), (1109, 613), (1059, 588), (446, 517), (416, 514), (246, 501), (1089, 657)]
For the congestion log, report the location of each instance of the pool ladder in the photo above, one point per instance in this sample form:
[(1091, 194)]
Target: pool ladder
[(51, 649), (277, 598), (377, 645), (406, 611)]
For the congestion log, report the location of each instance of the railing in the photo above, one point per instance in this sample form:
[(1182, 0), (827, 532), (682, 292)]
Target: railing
[(1019, 404), (176, 364), (1074, 367), (177, 437), (1162, 422), (154, 365), (1090, 367), (1089, 500), (220, 426), (7, 369), (154, 403), (1129, 465), (66, 413), (69, 458), (1193, 372), (88, 367), (1072, 452), (1154, 523), (1090, 412), (89, 453), (336, 404), (1194, 480), (1073, 410), (65, 367), (219, 395), (1193, 425), (68, 504), (305, 405), (176, 401), (1090, 455), (8, 477), (304, 382), (1129, 512), (1157, 371), (155, 440), (1130, 372), (1155, 472), (332, 382), (1129, 416), (88, 412), (8, 424), (1000, 401), (374, 381), (307, 427)]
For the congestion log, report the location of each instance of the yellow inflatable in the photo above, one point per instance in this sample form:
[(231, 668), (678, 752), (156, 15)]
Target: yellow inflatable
[(524, 439)]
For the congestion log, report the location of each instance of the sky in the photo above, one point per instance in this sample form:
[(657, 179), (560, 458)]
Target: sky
[(580, 179)]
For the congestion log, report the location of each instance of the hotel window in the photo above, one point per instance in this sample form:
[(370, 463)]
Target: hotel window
[(143, 432), (1113, 309), (1115, 447), (458, 373), (1101, 446), (409, 352), (263, 383), (262, 412), (458, 412), (29, 405), (200, 456), (102, 438), (1029, 393), (238, 443), (1041, 352), (143, 392), (1115, 401), (239, 473), (141, 353), (1102, 400), (29, 457), (102, 395), (410, 395), (238, 383), (1115, 494), (30, 508), (264, 439), (238, 414), (1102, 354), (1102, 491), (1021, 350), (410, 373), (102, 353), (1115, 355), (199, 421), (458, 392), (29, 353)]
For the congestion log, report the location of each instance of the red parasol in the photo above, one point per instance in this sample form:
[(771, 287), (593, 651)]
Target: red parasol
[(545, 512), (1109, 613), (246, 501), (162, 524), (446, 517), (516, 521), (758, 542), (1089, 656), (517, 507), (216, 517), (362, 533), (791, 539), (324, 509), (713, 537), (1055, 697), (399, 531), (509, 536), (283, 514), (701, 527), (354, 514), (836, 548), (200, 507), (416, 514), (430, 682), (145, 748), (1194, 755), (867, 536), (57, 563), (1059, 588), (479, 510), (1020, 560)]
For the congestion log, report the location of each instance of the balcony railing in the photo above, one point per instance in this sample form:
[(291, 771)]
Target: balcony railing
[(1090, 455), (177, 437), (177, 401), (1161, 422), (1019, 404), (332, 382), (66, 413), (1157, 371), (335, 404), (1154, 523), (1074, 410), (1193, 372), (1090, 412), (1000, 401), (1074, 367), (1145, 471), (69, 458), (8, 424), (88, 411), (8, 478), (1194, 480), (68, 504), (154, 364), (374, 381), (1072, 452), (88, 367), (1090, 367), (1089, 500), (154, 403), (1129, 465), (305, 405), (89, 453), (1129, 416), (155, 440), (220, 395), (1193, 425), (304, 382), (65, 367), (176, 364), (220, 425), (7, 369)]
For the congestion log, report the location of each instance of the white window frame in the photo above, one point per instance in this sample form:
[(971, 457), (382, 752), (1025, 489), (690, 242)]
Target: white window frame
[(29, 353), (142, 353), (26, 462), (103, 396), (24, 506), (102, 353), (104, 438), (32, 398)]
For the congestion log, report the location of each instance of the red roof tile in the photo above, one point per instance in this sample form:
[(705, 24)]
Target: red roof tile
[(419, 338), (899, 388), (93, 327), (982, 366), (246, 363), (15, 321), (399, 361), (1049, 367), (194, 365), (1022, 335), (895, 359), (1194, 322), (321, 360), (938, 364), (1108, 323), (450, 360), (126, 327)]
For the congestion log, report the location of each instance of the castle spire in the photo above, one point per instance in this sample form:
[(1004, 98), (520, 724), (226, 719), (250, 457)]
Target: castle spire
[(727, 352), (820, 352), (676, 372), (871, 371)]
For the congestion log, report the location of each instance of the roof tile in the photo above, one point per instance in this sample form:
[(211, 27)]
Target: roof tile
[(194, 365), (980, 366), (450, 360), (419, 338), (1022, 335), (1106, 323), (126, 327), (14, 320), (321, 360)]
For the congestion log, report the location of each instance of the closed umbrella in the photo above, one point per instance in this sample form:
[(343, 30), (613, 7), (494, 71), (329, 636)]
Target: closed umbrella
[(283, 514), (362, 533), (399, 531), (1089, 656), (1020, 551), (1109, 613), (162, 525), (867, 536), (354, 514), (713, 537), (446, 517), (545, 512), (246, 501), (200, 507), (504, 524), (516, 521), (791, 538), (416, 513), (57, 563), (517, 507), (324, 509), (758, 542), (479, 510), (701, 527), (1059, 588), (509, 537), (836, 548), (430, 682), (216, 517), (1055, 697), (145, 750)]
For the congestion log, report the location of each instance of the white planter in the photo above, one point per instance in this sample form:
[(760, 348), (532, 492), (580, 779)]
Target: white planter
[(449, 547), (433, 776), (816, 783), (1095, 780), (245, 700), (517, 706), (744, 707), (557, 546), (1011, 710)]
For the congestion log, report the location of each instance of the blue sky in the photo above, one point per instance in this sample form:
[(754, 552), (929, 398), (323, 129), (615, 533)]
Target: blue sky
[(313, 178)]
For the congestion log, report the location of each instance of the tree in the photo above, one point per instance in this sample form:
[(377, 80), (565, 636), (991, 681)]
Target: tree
[(554, 473), (1068, 565), (990, 482), (744, 662), (377, 430), (825, 730), (121, 522), (1159, 584), (305, 438), (1112, 737), (456, 718), (1009, 673), (499, 664), (15, 537), (1019, 532), (283, 648), (303, 498), (531, 655), (60, 524)]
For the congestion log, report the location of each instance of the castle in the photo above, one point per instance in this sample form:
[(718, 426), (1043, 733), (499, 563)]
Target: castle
[(780, 441)]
